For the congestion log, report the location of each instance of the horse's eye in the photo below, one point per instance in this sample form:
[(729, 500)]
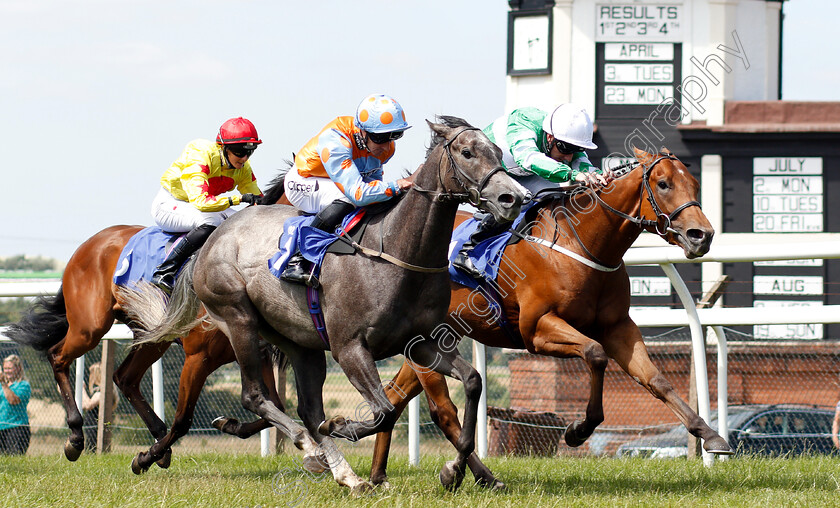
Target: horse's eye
[(467, 153), (662, 184)]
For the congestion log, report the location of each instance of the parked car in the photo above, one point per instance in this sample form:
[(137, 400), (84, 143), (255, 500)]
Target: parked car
[(758, 429)]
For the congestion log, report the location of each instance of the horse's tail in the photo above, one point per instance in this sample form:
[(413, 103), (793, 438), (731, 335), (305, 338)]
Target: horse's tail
[(44, 325), (157, 320)]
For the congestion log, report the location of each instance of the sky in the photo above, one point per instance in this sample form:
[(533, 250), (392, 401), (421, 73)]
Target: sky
[(99, 97)]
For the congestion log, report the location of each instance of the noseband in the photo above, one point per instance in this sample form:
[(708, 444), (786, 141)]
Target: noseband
[(662, 224), (473, 192)]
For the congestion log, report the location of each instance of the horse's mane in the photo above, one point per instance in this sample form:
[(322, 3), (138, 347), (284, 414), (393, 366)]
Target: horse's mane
[(449, 121), (276, 187)]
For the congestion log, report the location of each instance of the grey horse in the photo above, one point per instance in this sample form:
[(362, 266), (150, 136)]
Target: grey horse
[(392, 298)]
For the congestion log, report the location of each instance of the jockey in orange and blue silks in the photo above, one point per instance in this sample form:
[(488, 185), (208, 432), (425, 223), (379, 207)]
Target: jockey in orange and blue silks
[(190, 199), (342, 168)]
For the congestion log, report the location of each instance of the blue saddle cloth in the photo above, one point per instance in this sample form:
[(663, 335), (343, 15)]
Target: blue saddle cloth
[(312, 242), (486, 256), (142, 255)]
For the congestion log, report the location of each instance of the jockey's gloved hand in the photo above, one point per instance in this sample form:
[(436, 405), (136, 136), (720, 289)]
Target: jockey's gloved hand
[(250, 199)]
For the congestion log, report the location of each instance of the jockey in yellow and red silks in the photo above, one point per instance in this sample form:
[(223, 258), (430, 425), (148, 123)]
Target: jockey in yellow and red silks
[(190, 199), (341, 169)]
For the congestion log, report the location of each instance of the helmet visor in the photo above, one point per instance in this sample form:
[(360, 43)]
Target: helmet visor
[(242, 149), (380, 138), (566, 148)]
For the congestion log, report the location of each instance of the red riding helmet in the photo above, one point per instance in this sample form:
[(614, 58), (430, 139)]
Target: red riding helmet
[(237, 131)]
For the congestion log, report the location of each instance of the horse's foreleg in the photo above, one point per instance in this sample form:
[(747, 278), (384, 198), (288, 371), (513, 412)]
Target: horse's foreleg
[(626, 346), (555, 337), (310, 368), (445, 415), (360, 368), (197, 366), (247, 429), (244, 430)]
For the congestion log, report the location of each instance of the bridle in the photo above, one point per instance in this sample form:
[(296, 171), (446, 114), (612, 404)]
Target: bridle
[(661, 218), (473, 193), (662, 224)]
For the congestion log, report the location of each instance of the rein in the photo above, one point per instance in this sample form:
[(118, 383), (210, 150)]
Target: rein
[(642, 222), (473, 194)]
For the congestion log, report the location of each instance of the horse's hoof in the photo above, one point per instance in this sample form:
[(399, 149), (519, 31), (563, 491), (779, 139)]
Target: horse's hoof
[(222, 424), (218, 422), (450, 477), (383, 485), (492, 484), (572, 434), (315, 464), (328, 427), (136, 468), (166, 460), (361, 489), (717, 446), (72, 452)]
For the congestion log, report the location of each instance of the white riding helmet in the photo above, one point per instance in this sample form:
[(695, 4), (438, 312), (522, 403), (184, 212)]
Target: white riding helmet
[(570, 124)]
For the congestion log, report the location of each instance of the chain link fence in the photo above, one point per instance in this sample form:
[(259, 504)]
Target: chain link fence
[(530, 398)]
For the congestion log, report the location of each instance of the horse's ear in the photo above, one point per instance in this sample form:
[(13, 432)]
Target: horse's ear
[(641, 155), (439, 128)]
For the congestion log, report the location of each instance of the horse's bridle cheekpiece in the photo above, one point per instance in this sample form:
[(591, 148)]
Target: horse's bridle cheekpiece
[(472, 194), (664, 219)]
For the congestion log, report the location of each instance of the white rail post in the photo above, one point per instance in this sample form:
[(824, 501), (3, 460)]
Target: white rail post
[(414, 431), (723, 385), (698, 342), (157, 390), (265, 442), (480, 362)]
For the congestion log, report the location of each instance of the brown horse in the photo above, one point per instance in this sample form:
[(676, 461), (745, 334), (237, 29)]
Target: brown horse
[(559, 306), (71, 323)]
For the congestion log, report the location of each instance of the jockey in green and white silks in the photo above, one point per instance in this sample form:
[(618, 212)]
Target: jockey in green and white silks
[(541, 151)]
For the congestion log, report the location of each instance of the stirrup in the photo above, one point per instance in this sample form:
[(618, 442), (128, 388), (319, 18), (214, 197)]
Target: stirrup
[(165, 282), (464, 263), (297, 274)]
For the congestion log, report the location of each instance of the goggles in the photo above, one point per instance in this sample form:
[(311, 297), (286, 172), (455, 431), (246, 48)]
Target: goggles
[(566, 148), (240, 150), (380, 138)]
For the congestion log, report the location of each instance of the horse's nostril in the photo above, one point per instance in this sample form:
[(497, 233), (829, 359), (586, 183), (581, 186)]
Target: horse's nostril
[(507, 199), (696, 235)]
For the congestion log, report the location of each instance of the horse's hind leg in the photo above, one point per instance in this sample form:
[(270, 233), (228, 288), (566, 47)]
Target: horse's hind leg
[(626, 346), (128, 376), (75, 344)]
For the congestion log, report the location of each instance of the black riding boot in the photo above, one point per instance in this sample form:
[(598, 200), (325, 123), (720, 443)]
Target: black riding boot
[(164, 276), (487, 228), (299, 270)]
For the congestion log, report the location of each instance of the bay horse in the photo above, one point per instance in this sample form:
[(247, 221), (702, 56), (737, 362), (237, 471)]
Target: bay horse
[(376, 305), (72, 322), (559, 306)]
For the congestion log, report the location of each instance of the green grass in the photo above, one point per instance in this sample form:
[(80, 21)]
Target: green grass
[(248, 480)]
